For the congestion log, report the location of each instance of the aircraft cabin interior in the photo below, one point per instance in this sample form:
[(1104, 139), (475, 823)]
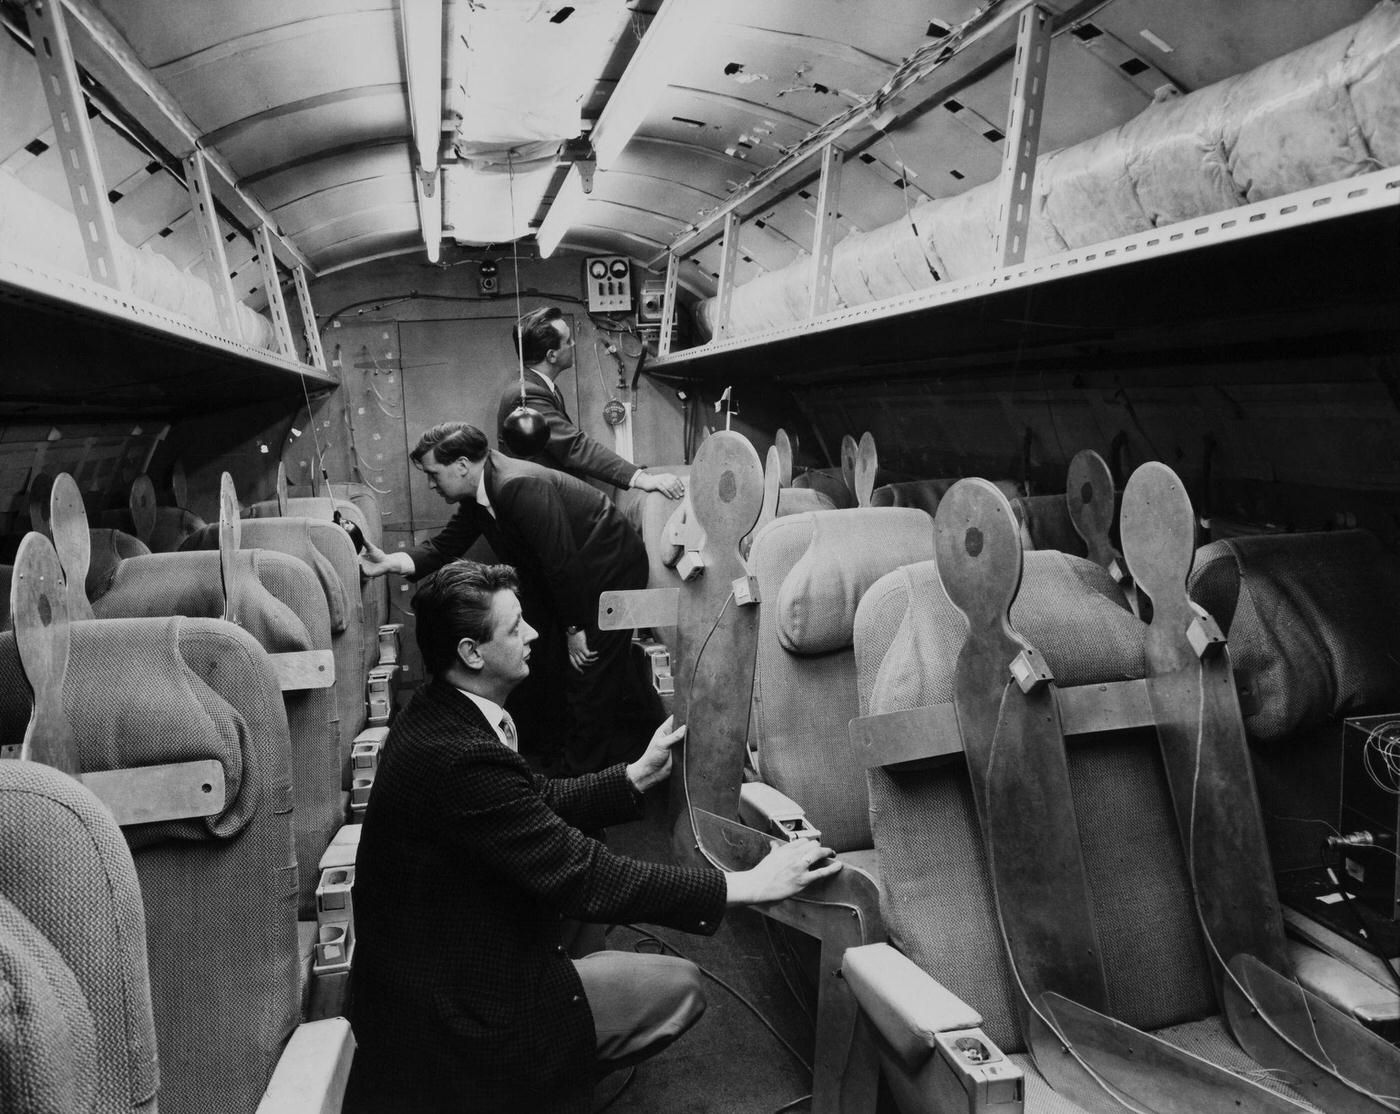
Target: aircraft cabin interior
[(1032, 370)]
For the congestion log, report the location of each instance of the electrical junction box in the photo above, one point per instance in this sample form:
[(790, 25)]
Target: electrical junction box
[(608, 280)]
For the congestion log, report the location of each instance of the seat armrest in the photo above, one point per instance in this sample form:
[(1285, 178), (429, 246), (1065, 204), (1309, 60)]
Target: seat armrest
[(769, 811), (342, 849), (312, 1073), (1341, 984), (906, 1006)]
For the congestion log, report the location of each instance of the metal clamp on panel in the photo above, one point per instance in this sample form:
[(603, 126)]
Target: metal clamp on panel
[(1030, 672), (746, 591), (335, 948), (390, 643), (1204, 633), (1120, 575), (970, 1074), (690, 565), (765, 809), (382, 688)]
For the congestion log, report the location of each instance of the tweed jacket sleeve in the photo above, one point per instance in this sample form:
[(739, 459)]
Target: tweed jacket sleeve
[(499, 819), (596, 800), (569, 448), (448, 544)]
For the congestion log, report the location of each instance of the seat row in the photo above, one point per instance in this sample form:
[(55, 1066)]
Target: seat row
[(215, 701), (849, 615)]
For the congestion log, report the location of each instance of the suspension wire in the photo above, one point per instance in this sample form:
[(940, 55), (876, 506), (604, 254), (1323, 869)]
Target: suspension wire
[(515, 266)]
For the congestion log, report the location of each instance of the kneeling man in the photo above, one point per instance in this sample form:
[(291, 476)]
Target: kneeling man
[(471, 870)]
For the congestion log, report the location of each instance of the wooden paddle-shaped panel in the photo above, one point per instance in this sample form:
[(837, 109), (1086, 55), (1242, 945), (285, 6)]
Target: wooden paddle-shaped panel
[(142, 502), (68, 522), (39, 611)]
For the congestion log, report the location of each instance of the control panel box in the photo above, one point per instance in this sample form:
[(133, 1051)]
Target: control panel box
[(608, 280)]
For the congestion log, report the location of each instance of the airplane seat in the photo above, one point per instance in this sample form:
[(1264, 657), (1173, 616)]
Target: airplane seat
[(328, 551), (363, 511), (801, 500), (219, 892), (1310, 619), (940, 909), (282, 606), (828, 482), (172, 526), (925, 494), (812, 570), (1045, 523), (76, 1028), (109, 548)]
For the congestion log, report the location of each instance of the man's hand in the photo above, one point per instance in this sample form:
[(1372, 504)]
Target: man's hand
[(375, 562), (654, 765), (673, 487), (786, 870), (580, 656)]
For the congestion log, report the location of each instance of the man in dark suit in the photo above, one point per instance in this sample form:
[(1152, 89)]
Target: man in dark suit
[(545, 343), (464, 998), (569, 544)]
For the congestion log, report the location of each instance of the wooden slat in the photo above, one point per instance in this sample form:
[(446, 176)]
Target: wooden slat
[(148, 794), (646, 607), (304, 669)]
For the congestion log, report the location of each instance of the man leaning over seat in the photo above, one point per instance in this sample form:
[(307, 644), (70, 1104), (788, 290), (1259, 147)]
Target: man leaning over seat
[(471, 869)]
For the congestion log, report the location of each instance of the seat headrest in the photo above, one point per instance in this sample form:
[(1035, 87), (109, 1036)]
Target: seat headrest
[(925, 494), (849, 550), (1045, 523), (1310, 620), (830, 485), (800, 500), (109, 549), (48, 1040), (1068, 608), (70, 879), (134, 701)]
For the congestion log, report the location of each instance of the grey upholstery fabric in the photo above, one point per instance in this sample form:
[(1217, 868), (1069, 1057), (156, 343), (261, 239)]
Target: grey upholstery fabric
[(803, 702), (109, 549), (800, 500), (1311, 622), (219, 895), (829, 483), (285, 610), (940, 909), (328, 551), (924, 495), (73, 941), (172, 526), (1045, 524)]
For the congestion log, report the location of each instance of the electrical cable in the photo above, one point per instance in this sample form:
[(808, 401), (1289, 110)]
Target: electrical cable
[(666, 945)]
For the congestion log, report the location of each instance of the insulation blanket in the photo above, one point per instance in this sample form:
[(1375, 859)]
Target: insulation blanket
[(39, 232), (1317, 115)]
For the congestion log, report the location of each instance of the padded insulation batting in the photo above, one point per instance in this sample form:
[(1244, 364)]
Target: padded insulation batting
[(1317, 115)]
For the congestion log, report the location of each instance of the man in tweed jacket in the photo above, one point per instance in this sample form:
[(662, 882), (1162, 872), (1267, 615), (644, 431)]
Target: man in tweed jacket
[(470, 869)]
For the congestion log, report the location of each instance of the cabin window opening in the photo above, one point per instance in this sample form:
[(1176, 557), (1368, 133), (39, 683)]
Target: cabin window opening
[(114, 196), (153, 167), (561, 15), (1086, 32), (953, 106), (166, 231), (688, 121), (958, 174), (867, 158), (230, 237), (36, 147), (1133, 66), (805, 195), (994, 134), (733, 68)]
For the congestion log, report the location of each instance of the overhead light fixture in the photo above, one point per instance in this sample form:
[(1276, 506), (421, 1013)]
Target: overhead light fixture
[(421, 21), (429, 190), (647, 74)]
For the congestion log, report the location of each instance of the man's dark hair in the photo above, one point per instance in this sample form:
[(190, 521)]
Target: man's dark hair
[(534, 334), (451, 441), (455, 603)]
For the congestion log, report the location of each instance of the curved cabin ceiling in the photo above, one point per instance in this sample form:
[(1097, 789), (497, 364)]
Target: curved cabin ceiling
[(305, 106)]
